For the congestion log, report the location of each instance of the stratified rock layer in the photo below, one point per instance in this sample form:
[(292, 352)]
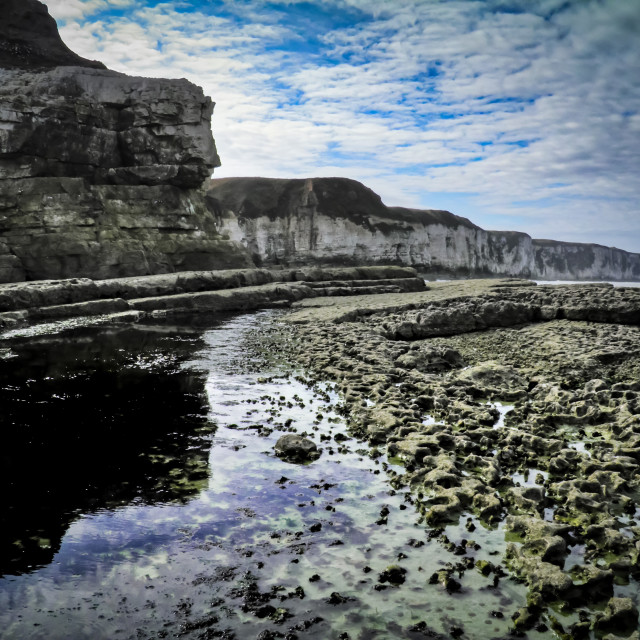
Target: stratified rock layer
[(339, 221), (100, 173), (218, 290)]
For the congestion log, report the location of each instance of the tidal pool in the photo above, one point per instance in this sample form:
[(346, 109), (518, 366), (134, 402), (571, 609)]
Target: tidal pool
[(145, 501)]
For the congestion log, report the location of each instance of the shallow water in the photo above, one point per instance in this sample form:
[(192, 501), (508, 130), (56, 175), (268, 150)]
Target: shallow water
[(145, 500), (502, 410), (615, 283)]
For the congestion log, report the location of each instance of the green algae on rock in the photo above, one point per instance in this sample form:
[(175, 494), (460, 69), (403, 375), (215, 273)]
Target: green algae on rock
[(567, 360)]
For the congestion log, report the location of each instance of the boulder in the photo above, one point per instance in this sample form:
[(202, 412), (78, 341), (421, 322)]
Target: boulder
[(619, 616), (294, 448)]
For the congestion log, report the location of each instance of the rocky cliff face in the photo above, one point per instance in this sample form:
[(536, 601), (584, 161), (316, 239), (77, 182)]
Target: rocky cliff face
[(328, 221), (559, 260), (100, 173)]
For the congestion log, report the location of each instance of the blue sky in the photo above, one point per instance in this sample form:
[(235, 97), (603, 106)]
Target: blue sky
[(518, 114)]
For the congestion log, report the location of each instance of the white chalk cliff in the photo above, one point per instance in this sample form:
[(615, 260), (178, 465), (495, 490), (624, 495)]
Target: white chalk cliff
[(325, 221)]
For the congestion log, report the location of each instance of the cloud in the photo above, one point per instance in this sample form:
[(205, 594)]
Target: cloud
[(525, 112)]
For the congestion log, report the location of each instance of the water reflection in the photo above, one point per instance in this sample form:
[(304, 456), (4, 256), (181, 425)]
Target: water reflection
[(95, 418), (266, 549)]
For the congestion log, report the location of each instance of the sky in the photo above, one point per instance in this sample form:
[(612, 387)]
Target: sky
[(517, 114)]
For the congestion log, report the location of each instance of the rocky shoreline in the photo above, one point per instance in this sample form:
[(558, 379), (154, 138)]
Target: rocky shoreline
[(514, 407)]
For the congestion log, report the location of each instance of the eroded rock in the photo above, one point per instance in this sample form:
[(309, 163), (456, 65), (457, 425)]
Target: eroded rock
[(560, 465), (99, 171)]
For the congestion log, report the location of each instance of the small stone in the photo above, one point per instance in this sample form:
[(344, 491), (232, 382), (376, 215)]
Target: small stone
[(393, 574), (452, 585), (335, 598)]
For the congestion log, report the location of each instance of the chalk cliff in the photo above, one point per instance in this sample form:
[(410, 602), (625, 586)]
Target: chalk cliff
[(100, 173), (327, 221)]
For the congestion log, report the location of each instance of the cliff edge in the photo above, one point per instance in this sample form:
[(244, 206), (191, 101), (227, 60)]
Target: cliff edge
[(29, 39), (100, 173)]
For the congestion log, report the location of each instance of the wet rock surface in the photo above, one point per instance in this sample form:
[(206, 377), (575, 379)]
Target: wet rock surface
[(529, 426), (206, 291)]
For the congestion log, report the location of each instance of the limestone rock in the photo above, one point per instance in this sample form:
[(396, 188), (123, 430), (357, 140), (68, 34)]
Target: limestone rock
[(100, 173), (551, 549), (620, 615), (104, 126), (492, 377), (515, 306), (429, 359), (542, 577)]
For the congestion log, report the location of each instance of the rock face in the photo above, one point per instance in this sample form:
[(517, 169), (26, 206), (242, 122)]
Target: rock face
[(100, 173), (328, 221)]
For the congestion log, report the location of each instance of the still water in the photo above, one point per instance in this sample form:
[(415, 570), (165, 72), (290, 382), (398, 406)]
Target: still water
[(142, 499)]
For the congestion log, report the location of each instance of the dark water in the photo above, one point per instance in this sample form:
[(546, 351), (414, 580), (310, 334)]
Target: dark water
[(142, 499)]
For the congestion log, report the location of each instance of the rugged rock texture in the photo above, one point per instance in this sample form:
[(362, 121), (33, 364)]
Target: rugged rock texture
[(100, 173), (339, 221), (560, 260), (30, 38), (295, 448), (515, 409)]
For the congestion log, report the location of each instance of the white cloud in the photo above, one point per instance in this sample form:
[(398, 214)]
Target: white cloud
[(64, 10)]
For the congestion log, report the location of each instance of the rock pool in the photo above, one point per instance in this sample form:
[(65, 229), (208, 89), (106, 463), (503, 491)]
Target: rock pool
[(145, 499)]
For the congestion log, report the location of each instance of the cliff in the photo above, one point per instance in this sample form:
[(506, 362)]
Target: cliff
[(330, 221), (100, 173)]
